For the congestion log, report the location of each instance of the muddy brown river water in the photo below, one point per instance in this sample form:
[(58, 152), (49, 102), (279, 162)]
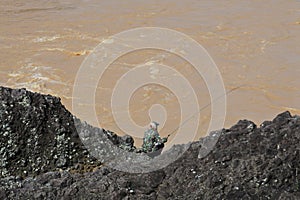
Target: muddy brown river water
[(253, 43)]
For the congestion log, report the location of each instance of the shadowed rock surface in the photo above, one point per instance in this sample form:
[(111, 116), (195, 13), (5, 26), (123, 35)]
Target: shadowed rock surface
[(42, 157)]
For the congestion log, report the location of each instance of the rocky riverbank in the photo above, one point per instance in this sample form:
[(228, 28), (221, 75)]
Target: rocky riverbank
[(42, 157)]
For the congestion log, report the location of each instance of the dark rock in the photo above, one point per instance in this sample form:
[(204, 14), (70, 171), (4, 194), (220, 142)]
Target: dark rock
[(2, 193), (42, 157), (38, 134)]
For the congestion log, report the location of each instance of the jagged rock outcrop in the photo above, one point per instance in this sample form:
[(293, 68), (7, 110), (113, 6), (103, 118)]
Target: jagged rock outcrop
[(37, 136)]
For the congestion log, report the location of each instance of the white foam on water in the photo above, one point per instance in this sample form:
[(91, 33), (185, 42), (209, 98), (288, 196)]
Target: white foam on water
[(46, 38), (36, 78)]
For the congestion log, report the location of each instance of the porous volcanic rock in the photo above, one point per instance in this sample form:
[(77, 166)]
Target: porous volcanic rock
[(38, 135), (247, 162)]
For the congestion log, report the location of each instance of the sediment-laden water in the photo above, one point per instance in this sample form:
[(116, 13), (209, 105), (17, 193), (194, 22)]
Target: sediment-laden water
[(255, 44)]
